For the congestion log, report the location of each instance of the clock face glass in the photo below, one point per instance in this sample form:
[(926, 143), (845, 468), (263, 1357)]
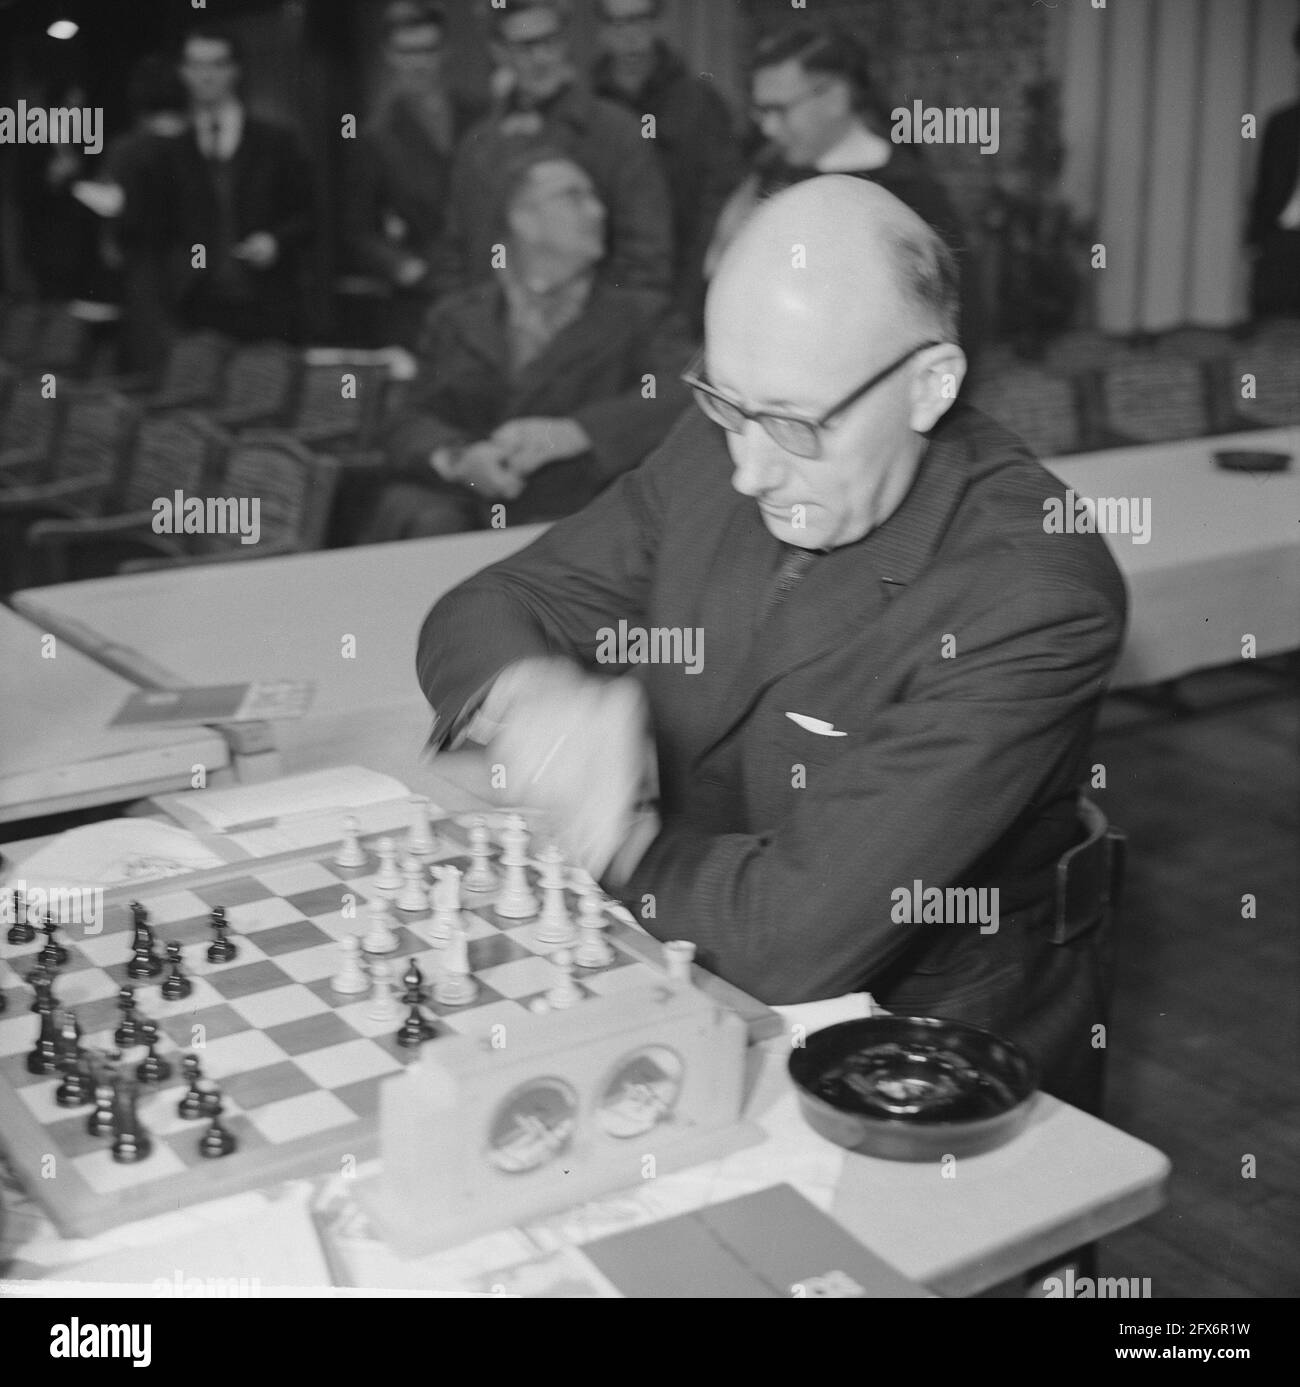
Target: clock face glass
[(533, 1125), (641, 1093)]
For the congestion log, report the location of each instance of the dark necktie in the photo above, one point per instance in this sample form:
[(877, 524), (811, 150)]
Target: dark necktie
[(795, 564)]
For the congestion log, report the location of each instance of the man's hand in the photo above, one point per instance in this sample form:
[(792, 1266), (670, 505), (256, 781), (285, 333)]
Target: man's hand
[(576, 747), (483, 468), (531, 443), (260, 249), (410, 272)]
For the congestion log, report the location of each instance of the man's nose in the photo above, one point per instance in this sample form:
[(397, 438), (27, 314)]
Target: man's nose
[(760, 465)]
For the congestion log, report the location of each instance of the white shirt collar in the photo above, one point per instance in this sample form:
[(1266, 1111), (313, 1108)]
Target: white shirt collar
[(859, 149)]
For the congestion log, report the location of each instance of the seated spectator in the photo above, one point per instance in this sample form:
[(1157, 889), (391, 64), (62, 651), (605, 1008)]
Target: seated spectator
[(543, 103), (400, 166), (1273, 235), (817, 108), (537, 388)]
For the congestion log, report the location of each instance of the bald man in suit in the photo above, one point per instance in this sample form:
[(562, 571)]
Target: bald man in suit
[(895, 668)]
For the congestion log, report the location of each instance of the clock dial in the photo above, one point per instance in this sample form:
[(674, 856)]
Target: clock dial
[(641, 1093), (532, 1126)]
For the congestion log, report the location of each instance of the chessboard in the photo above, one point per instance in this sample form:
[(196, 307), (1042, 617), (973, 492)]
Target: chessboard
[(298, 1066)]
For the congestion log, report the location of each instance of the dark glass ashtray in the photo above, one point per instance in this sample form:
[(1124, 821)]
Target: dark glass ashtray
[(1252, 460), (913, 1088)]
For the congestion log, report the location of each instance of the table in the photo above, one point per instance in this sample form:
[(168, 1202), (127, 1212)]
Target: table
[(1223, 559), (57, 751)]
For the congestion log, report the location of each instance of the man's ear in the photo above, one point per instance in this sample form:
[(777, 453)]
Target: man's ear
[(937, 384)]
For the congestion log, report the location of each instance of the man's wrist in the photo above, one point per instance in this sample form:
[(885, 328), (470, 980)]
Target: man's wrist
[(506, 689)]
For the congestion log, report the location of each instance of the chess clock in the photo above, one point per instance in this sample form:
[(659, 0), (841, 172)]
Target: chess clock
[(571, 1105)]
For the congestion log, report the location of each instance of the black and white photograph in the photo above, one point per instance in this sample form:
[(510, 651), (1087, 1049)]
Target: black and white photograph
[(651, 650)]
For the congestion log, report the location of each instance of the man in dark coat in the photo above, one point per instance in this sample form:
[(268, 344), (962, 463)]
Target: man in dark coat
[(693, 131), (546, 105), (245, 195), (897, 667), (1274, 231), (538, 388)]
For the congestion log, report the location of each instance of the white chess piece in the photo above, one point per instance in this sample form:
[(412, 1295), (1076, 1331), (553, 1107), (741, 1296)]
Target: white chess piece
[(413, 896), (678, 957), (421, 841), (480, 876), (517, 901), (455, 985), (382, 1007), (351, 854), (445, 898), (380, 938), (595, 950), (566, 992), (351, 977), (387, 878), (554, 926)]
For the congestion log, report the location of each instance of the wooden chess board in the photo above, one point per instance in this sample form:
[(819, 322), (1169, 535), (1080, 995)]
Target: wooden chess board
[(300, 1067)]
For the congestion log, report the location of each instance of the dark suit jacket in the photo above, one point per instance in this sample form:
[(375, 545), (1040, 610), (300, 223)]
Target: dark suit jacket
[(592, 372), (607, 143), (953, 771), (1275, 179)]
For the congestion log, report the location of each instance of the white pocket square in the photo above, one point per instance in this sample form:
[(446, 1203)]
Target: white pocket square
[(822, 729)]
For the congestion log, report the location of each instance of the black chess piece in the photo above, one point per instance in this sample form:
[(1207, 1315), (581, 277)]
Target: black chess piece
[(128, 1032), (413, 981), (153, 1069), (131, 1143), (176, 986), (415, 1030), (52, 955), (145, 962), (191, 1105), (217, 1140), (221, 950), (42, 983), (76, 1090), (22, 931), (139, 919), (100, 1122), (44, 1058)]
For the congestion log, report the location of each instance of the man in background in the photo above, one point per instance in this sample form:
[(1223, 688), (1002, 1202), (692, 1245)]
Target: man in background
[(543, 102), (693, 131), (1274, 231), (539, 386), (245, 194), (399, 168)]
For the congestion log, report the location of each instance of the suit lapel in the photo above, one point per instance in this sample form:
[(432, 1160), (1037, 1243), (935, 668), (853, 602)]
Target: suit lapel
[(846, 590), (594, 332)]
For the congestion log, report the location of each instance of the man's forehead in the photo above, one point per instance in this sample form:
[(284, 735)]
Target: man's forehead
[(207, 51), (424, 38), (527, 26), (554, 176), (780, 81), (626, 9)]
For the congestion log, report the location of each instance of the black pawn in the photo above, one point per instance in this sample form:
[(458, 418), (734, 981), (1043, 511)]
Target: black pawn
[(100, 1123), (22, 931), (128, 1033), (176, 986), (44, 1058), (131, 1143), (221, 950), (52, 955), (415, 1030), (191, 1105), (153, 1069), (145, 962), (216, 1141), (76, 1090)]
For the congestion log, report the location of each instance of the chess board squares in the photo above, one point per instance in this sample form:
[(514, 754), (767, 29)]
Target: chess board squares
[(291, 938), (297, 878), (479, 1020), (278, 1005), (303, 1116), (239, 978), (240, 891), (619, 977), (348, 1063), (247, 953), (185, 1146), (238, 1053), (311, 965), (17, 1034), (257, 917), (310, 1033), (103, 1174), (521, 978), (163, 910), (211, 1023), (272, 1083)]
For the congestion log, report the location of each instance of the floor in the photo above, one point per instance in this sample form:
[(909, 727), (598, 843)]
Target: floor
[(1205, 1037)]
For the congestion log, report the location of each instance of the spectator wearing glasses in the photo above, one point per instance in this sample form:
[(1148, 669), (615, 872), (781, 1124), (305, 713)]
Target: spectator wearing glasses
[(694, 134), (400, 165), (899, 669), (542, 102), (817, 109)]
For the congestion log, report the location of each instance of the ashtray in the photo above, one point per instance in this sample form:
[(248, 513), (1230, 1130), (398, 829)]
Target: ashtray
[(1252, 460), (913, 1088)]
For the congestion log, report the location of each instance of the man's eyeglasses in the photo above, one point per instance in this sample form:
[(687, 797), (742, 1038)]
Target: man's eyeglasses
[(782, 109), (790, 432)]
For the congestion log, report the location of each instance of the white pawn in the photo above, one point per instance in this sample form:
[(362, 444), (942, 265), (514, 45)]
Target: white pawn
[(421, 840), (382, 1007), (566, 992), (455, 985), (678, 957), (351, 978), (595, 950), (480, 876), (412, 896), (554, 926), (516, 901), (445, 898), (380, 938), (351, 854), (387, 878)]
